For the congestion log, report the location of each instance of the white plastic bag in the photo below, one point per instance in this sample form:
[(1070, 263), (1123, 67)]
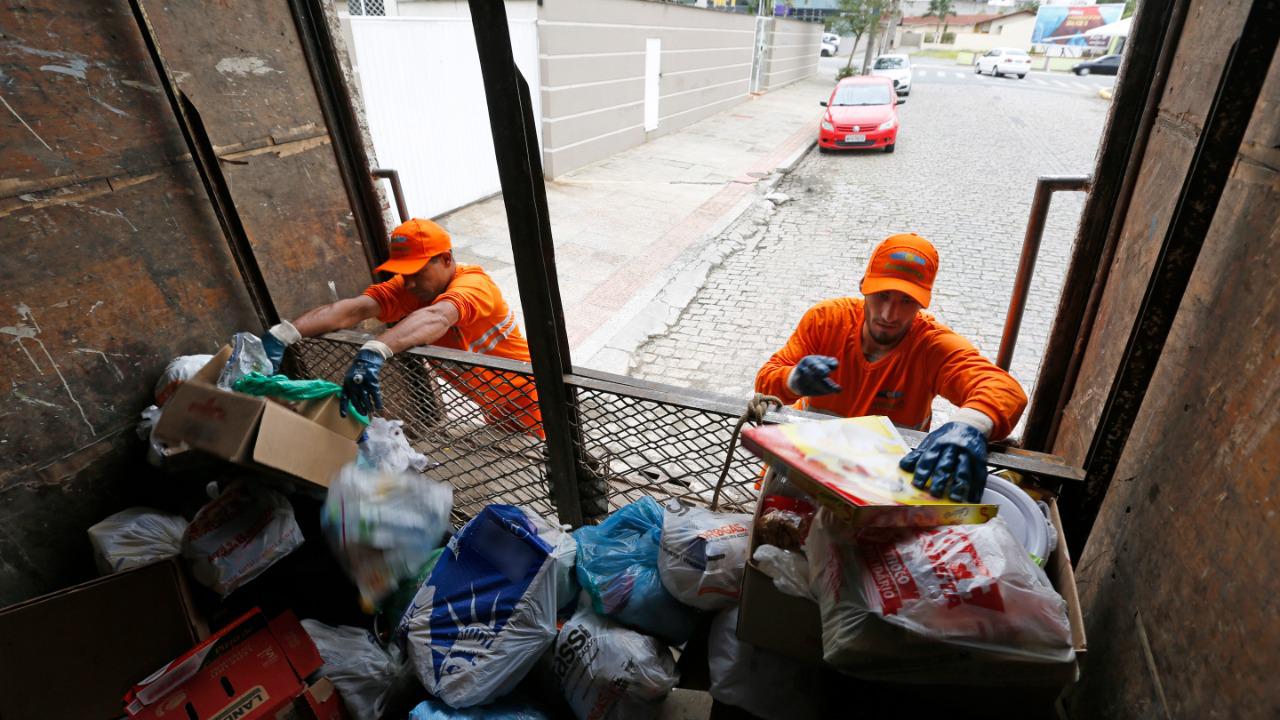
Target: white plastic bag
[(358, 667), (178, 371), (967, 586), (383, 526), (240, 534), (764, 684), (789, 570), (158, 451), (703, 554), (609, 672), (487, 611), (134, 537), (247, 356), (386, 448)]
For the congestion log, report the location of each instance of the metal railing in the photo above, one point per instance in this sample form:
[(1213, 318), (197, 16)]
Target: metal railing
[(1046, 186), (638, 438)]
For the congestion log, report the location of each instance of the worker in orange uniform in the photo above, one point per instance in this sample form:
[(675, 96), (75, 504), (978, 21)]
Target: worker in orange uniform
[(882, 356), (434, 301)]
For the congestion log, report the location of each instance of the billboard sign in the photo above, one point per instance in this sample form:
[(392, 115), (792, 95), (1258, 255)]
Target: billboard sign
[(1067, 24)]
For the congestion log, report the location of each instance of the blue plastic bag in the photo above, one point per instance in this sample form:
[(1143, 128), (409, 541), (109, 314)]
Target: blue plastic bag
[(434, 710), (487, 611), (618, 567)]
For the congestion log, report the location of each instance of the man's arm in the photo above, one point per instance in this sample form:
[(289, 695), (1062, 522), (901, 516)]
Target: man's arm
[(421, 327), (773, 378), (336, 316), (974, 384)]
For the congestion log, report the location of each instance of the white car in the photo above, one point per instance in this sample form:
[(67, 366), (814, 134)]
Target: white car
[(897, 68), (830, 44), (1004, 61)]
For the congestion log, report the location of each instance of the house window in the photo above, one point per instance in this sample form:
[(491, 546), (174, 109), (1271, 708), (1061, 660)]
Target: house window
[(366, 7)]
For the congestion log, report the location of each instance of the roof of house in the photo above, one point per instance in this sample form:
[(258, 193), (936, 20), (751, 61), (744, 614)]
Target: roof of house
[(976, 19)]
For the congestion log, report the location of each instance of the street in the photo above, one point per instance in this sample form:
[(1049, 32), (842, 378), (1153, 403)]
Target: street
[(967, 158)]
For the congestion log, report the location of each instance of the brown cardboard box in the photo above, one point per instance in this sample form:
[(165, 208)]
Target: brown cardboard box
[(791, 626), (74, 653), (252, 431)]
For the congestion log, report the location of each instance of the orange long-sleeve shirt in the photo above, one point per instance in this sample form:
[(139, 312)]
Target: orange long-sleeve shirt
[(485, 325), (931, 360)]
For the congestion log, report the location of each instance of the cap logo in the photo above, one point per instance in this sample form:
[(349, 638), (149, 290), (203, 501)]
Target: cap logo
[(907, 269), (908, 256)]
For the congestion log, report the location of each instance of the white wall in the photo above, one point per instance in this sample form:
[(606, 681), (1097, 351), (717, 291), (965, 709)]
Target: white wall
[(793, 52), (592, 65), (424, 98)]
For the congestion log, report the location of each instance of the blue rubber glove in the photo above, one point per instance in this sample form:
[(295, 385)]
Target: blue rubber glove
[(275, 351), (809, 377), (954, 458), (361, 386)]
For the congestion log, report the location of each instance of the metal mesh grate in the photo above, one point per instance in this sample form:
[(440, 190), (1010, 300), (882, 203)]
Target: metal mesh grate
[(366, 7), (650, 440)]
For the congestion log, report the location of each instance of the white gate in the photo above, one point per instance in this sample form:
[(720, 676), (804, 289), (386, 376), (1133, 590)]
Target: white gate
[(424, 99)]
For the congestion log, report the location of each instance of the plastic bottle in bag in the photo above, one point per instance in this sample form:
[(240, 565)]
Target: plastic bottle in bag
[(247, 356)]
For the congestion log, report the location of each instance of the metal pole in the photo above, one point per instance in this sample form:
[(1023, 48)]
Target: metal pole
[(524, 195), (396, 190), (1046, 186)]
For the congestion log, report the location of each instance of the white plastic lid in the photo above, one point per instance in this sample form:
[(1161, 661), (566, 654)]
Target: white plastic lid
[(1021, 514)]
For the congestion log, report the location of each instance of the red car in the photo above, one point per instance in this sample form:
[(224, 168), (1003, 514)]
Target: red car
[(862, 113)]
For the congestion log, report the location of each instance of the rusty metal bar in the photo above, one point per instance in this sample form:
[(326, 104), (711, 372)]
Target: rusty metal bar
[(1046, 186), (393, 176)]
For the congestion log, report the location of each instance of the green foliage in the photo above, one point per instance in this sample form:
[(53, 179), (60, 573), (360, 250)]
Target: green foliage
[(941, 9), (1130, 7), (1029, 5), (845, 72), (948, 38)]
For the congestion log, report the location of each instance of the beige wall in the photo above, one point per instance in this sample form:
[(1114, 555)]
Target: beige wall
[(1013, 32), (792, 54), (592, 55)]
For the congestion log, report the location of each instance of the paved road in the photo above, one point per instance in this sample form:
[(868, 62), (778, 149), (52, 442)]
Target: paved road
[(963, 175)]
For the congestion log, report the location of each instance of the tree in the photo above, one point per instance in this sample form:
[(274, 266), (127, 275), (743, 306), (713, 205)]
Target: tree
[(941, 9), (855, 18), (1129, 7)]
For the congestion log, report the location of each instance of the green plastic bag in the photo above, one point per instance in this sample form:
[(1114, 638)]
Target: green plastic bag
[(280, 386)]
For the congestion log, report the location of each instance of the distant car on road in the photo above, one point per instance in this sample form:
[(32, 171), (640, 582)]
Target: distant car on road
[(1004, 61), (1105, 65), (897, 68), (830, 44), (861, 113)]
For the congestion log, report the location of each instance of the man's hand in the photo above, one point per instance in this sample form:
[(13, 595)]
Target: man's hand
[(275, 340), (362, 386), (810, 376), (952, 457)]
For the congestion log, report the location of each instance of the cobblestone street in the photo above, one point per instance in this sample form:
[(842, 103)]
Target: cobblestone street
[(963, 176)]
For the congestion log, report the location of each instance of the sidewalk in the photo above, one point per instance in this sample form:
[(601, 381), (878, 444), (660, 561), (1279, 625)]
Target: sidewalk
[(629, 226)]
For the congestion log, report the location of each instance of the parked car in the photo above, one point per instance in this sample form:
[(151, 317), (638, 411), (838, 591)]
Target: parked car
[(830, 44), (861, 113), (897, 68), (1105, 65), (1004, 61)]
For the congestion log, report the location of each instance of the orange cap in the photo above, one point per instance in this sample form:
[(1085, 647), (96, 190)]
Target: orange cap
[(905, 262), (413, 244)]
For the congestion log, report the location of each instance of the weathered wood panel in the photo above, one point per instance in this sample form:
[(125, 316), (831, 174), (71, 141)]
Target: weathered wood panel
[(1178, 582), (243, 69)]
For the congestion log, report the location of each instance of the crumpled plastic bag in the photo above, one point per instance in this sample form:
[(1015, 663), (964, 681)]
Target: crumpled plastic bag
[(703, 555), (357, 665), (609, 672), (385, 447), (247, 356), (487, 611), (767, 685), (178, 371), (135, 537), (618, 567), (238, 535), (789, 570), (384, 526), (894, 599), (158, 451)]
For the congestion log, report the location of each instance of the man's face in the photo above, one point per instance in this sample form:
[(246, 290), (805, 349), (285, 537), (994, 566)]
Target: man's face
[(432, 279), (889, 315)]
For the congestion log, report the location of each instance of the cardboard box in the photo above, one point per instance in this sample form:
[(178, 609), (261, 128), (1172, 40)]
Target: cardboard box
[(792, 626), (74, 653), (252, 668), (850, 466), (253, 431)]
